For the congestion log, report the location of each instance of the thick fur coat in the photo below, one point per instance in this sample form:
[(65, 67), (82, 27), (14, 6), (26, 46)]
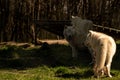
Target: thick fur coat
[(104, 48)]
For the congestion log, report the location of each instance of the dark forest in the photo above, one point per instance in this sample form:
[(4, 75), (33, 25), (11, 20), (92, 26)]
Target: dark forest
[(17, 16)]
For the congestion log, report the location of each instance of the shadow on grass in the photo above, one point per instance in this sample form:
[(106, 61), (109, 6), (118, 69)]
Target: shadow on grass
[(49, 55), (77, 75)]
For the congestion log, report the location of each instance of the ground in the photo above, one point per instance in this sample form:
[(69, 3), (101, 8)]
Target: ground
[(49, 61)]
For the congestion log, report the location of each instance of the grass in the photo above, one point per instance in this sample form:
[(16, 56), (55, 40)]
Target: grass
[(49, 62)]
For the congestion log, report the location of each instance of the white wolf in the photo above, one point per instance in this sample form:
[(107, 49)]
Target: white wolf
[(104, 48), (76, 34)]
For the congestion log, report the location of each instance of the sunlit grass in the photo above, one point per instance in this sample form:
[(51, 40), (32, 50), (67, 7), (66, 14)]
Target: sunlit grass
[(56, 73)]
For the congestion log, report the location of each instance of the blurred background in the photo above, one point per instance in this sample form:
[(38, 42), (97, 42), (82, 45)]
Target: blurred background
[(17, 16)]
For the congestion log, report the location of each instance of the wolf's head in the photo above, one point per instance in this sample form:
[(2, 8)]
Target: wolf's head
[(69, 32)]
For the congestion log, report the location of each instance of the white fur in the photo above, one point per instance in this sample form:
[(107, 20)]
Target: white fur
[(104, 48)]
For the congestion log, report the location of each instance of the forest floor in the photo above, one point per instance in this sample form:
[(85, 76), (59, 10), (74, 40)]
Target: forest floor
[(49, 61)]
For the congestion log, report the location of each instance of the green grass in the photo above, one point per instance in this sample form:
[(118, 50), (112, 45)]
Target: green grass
[(49, 62)]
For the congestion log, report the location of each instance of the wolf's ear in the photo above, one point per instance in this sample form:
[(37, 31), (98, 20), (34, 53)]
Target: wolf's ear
[(90, 33), (72, 16)]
